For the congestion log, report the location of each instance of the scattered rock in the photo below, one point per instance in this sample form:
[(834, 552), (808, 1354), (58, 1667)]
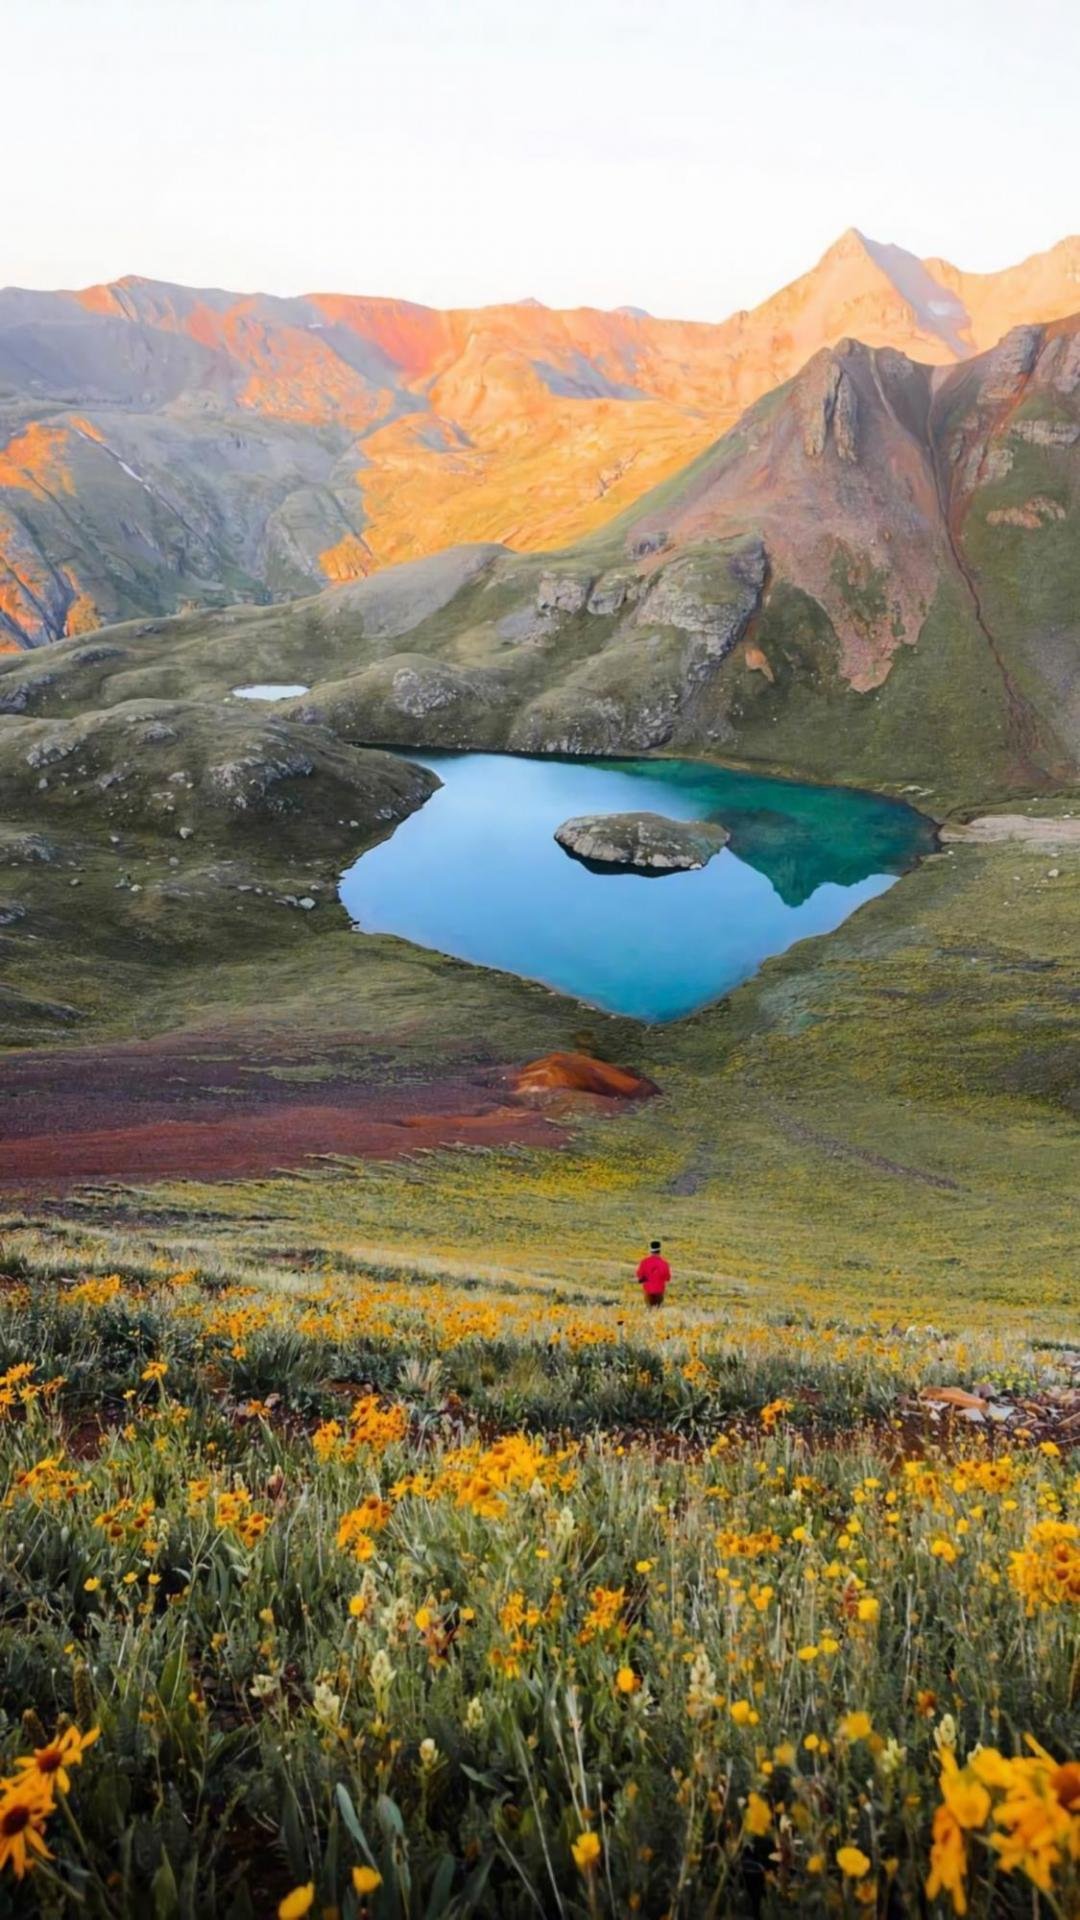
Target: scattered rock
[(1046, 433), (1036, 512), (18, 848)]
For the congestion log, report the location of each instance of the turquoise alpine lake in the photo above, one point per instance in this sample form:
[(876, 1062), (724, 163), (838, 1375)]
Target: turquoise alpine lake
[(477, 873)]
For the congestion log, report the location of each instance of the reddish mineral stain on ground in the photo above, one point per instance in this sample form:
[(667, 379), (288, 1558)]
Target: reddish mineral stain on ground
[(209, 1107)]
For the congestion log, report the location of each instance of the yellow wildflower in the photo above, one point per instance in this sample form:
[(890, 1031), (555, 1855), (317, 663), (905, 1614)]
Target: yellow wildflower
[(297, 1903), (52, 1761), (758, 1815), (586, 1851), (25, 1806)]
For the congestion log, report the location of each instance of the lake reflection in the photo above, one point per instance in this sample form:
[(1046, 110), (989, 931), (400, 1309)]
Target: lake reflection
[(477, 873)]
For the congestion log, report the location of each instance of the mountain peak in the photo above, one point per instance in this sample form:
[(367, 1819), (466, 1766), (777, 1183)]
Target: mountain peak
[(849, 245)]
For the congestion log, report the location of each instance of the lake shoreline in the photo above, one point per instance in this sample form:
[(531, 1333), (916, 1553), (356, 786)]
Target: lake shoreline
[(474, 875)]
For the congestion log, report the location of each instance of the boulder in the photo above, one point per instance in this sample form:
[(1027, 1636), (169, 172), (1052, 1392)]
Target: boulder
[(647, 843), (957, 1397), (612, 591), (562, 592)]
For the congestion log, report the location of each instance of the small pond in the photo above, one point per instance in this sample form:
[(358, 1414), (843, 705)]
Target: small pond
[(476, 873), (271, 690)]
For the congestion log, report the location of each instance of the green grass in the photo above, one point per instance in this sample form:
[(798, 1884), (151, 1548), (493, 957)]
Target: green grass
[(888, 1115)]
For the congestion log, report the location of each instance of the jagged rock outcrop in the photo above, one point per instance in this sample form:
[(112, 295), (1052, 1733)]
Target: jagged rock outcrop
[(1009, 364), (612, 592), (828, 406), (647, 843), (698, 599), (1032, 515)]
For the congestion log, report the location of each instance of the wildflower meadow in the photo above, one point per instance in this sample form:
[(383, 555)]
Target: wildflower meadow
[(360, 1598)]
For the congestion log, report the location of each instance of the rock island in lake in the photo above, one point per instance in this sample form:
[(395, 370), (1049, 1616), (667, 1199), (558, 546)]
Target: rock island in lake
[(641, 842)]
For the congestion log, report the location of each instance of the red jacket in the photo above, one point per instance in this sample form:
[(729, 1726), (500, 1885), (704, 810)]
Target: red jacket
[(654, 1274)]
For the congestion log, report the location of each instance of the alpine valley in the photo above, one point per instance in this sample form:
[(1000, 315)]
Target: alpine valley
[(480, 791), (832, 540)]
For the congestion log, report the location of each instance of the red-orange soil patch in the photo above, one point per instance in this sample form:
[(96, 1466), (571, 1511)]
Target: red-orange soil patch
[(210, 1106), (213, 1106), (580, 1073)]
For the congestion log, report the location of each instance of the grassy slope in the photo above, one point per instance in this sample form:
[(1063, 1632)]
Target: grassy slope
[(938, 721), (890, 1113)]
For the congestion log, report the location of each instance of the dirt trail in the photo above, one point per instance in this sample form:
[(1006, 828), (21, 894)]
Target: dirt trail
[(835, 1149)]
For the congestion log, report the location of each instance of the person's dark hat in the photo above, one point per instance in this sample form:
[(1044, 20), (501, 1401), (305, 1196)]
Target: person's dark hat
[(654, 1246)]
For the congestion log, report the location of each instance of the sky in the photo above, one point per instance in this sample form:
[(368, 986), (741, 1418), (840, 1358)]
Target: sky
[(686, 156)]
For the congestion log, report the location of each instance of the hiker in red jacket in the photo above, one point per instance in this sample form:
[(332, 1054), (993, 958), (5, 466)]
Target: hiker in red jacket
[(654, 1274)]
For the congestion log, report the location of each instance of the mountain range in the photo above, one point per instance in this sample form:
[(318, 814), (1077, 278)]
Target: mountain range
[(873, 576), (165, 449)]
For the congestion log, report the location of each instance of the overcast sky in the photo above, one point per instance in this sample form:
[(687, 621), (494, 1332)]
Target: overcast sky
[(682, 156)]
